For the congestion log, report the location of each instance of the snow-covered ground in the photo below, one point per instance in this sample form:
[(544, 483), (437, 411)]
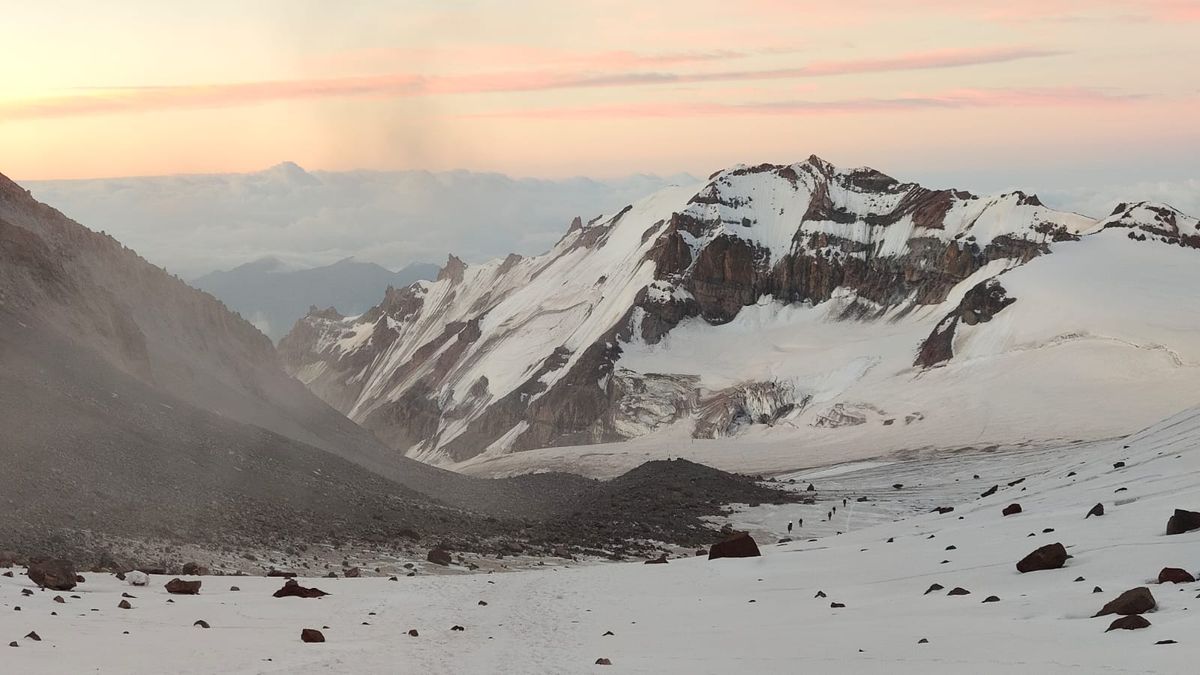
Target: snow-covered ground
[(732, 615)]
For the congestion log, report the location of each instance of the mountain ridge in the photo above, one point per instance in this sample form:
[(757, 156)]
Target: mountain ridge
[(552, 350)]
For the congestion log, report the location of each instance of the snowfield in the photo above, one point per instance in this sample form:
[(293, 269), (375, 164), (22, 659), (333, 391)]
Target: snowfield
[(755, 615)]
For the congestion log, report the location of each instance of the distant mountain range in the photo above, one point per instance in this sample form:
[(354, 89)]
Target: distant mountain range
[(273, 296), (803, 306)]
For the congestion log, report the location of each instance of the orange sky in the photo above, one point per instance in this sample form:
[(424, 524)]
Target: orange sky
[(597, 87)]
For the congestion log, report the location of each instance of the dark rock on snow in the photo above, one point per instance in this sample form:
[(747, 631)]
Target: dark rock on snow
[(1132, 622), (1174, 575), (181, 587), (292, 589), (1011, 509), (1048, 557), (1134, 601), (57, 575), (739, 545), (311, 635), (1183, 521)]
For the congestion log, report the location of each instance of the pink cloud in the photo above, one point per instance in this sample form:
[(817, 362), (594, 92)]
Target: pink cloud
[(953, 99), (400, 85)]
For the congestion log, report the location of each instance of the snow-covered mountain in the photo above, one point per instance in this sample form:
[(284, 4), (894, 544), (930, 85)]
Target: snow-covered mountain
[(273, 295), (835, 309)]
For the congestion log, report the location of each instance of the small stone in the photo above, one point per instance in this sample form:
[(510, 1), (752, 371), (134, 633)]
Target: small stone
[(603, 662), (201, 623), (1097, 510), (958, 590), (124, 604), (836, 605), (483, 603), (820, 594), (934, 587), (234, 589), (1011, 509), (457, 628), (311, 635), (412, 632), (59, 599), (1097, 589), (34, 636), (991, 598), (1166, 642), (607, 633), (923, 641)]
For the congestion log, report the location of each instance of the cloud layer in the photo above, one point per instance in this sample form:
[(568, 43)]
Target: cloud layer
[(195, 224)]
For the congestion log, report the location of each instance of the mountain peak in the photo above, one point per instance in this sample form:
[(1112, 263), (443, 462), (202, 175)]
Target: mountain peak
[(290, 173)]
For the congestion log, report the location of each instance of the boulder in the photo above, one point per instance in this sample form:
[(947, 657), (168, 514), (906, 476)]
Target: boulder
[(1183, 521), (353, 573), (57, 575), (292, 589), (181, 587), (193, 569), (1134, 601), (311, 635), (1048, 557), (1174, 575), (1097, 510), (739, 545), (438, 556), (136, 578), (1132, 622), (1011, 509)]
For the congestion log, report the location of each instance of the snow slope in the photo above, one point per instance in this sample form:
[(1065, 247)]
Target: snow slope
[(732, 615)]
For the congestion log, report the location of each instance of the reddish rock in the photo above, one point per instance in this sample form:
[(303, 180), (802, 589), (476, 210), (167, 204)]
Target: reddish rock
[(1048, 557), (1011, 509), (739, 545), (181, 587), (311, 635), (292, 589), (57, 575), (1174, 575), (1132, 622), (1134, 601)]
